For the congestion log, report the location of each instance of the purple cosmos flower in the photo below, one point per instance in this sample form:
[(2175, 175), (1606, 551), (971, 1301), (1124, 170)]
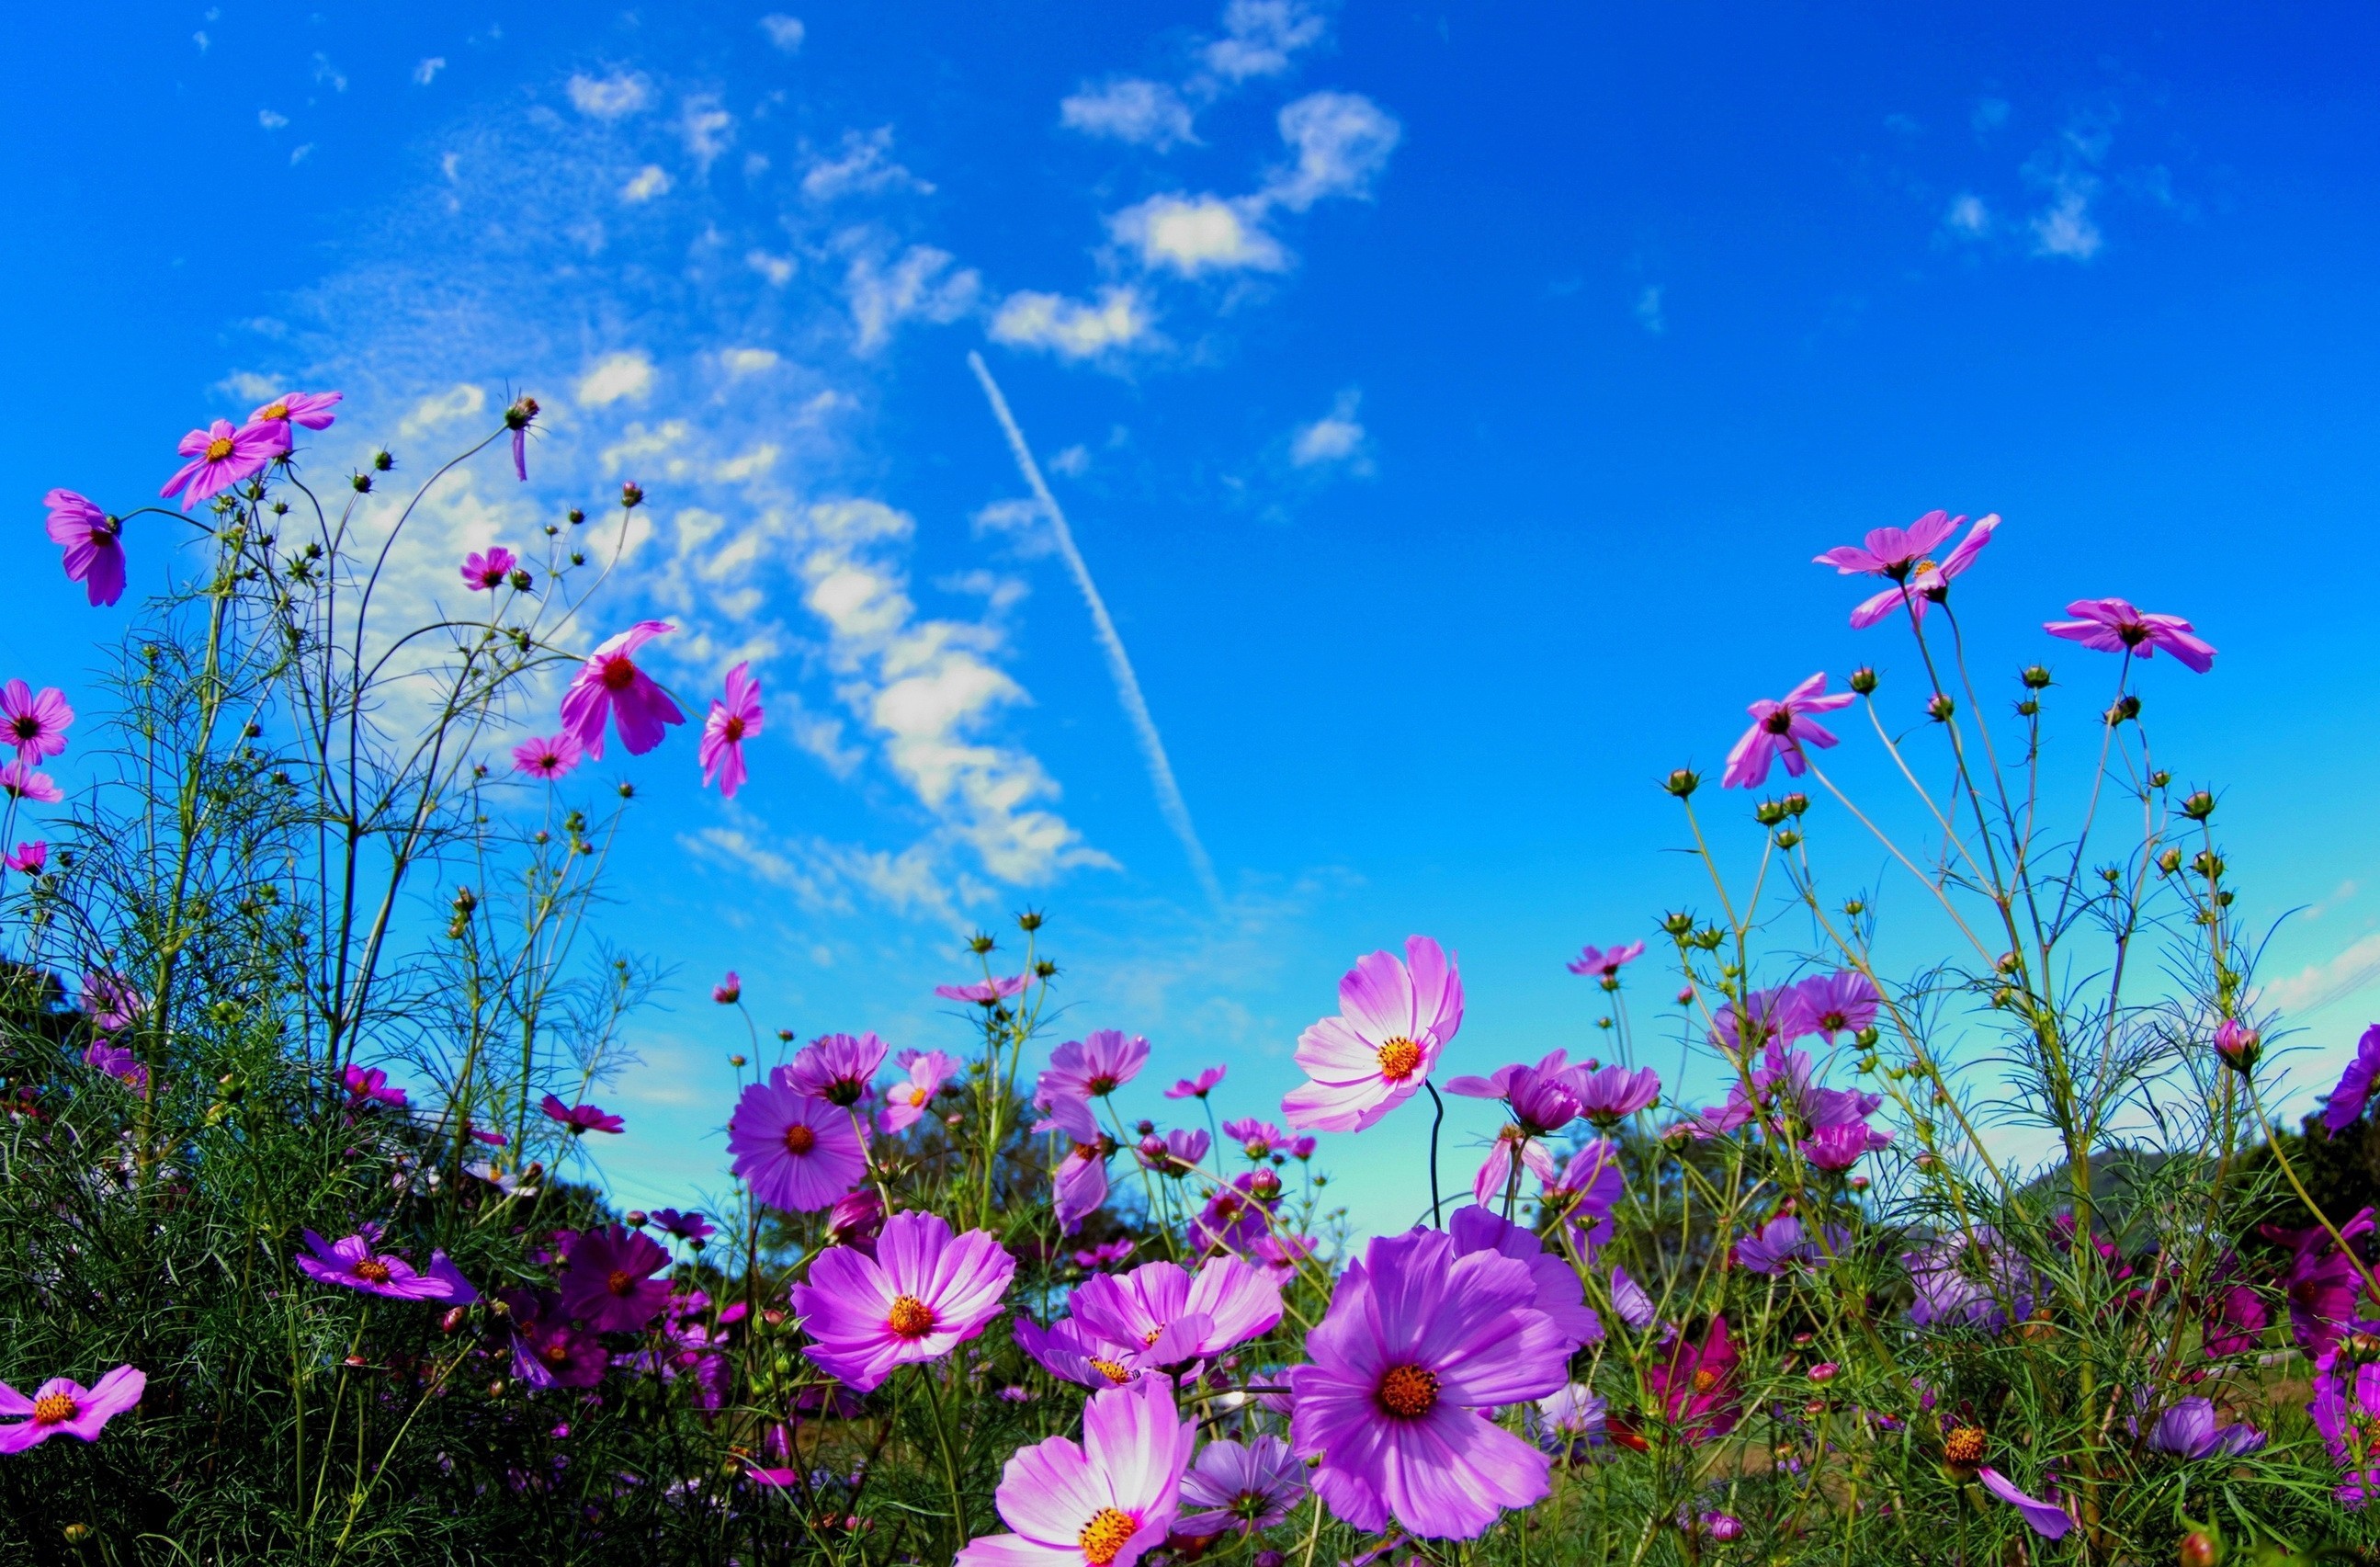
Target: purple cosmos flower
[(1249, 1489), (2322, 1282), (1606, 961), (692, 1227), (93, 543), (729, 990), (30, 857), (1779, 1014), (36, 725), (2189, 1430), (1842, 1003), (64, 1407), (1585, 1192), (799, 1152), (2346, 1410), (923, 1294), (486, 572), (370, 1085), (1196, 1087), (1419, 1346), (357, 1264), (2234, 1315), (1161, 1314), (1100, 1257), (578, 1119), (21, 783), (1904, 556), (1610, 1095), (1780, 731), (1560, 1294), (834, 1067), (1102, 1504), (548, 760), (2111, 626), (905, 1103), (731, 723), (1177, 1153), (222, 456), (1072, 1352), (310, 409), (855, 1220), (1080, 1183), (1779, 1247), (2346, 1104), (1571, 1420), (117, 1063), (1542, 1102), (548, 1350), (610, 685), (1839, 1146), (1092, 1067), (1236, 1217), (608, 1281), (1256, 1138), (2047, 1519), (109, 999), (1393, 1020), (1629, 1299), (992, 992), (1969, 1279)]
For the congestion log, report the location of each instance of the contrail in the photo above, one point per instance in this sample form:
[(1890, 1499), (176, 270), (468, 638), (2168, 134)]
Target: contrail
[(1169, 803)]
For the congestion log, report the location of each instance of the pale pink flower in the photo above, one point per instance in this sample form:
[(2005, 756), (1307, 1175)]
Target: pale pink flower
[(549, 759), (1905, 556), (312, 410), (1105, 1503), (93, 541), (20, 781), (1393, 1020), (905, 1101)]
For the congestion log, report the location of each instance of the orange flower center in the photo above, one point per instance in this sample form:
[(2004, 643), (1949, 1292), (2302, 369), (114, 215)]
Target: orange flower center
[(1965, 1445), (1409, 1391), (620, 1283), (732, 729), (1112, 1371), (556, 1353), (373, 1271), (273, 410), (54, 1409), (619, 673), (1106, 1535), (1150, 1338), (914, 1096), (799, 1138), (219, 448), (1704, 1378), (910, 1318), (1398, 1058)]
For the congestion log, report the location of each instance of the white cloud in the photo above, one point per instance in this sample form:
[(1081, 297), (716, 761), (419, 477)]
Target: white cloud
[(1333, 438), (1191, 234), (2065, 227), (427, 71), (865, 166), (2346, 973), (741, 362), (778, 269), (1968, 217), (1070, 328), (1260, 36), (920, 285), (298, 153), (783, 32), (1648, 310), (623, 375), (441, 409), (1073, 462), (246, 386), (200, 40), (329, 74), (270, 120), (650, 181), (1147, 114), (610, 97), (1342, 141), (706, 129)]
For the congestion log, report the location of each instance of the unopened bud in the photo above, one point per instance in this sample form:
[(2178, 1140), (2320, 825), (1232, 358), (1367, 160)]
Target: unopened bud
[(1940, 707), (2036, 677), (637, 1219), (1797, 805), (1683, 783), (2199, 805), (2200, 1549), (453, 1319), (2169, 861), (1864, 681), (1768, 813), (1029, 920), (520, 413), (76, 1533), (2238, 1045), (631, 497), (2124, 708), (1678, 924), (520, 580)]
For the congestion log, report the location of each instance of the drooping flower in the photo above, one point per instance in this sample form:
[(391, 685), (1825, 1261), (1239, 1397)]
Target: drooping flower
[(109, 999), (1196, 1087), (837, 1068), (518, 419), (1630, 1301), (2354, 1090), (548, 1350), (2322, 1281), (1560, 1294), (1904, 556), (1542, 1102), (922, 1294), (1842, 1003), (1256, 1138), (1393, 1020), (1102, 1504), (1571, 1420), (1177, 1153), (548, 759), (21, 783), (222, 456), (94, 545), (1161, 1314), (1781, 729), (36, 725), (2346, 1410), (310, 409), (905, 1103), (729, 990), (1080, 1183), (1419, 1345), (732, 722), (64, 1407), (1968, 1277), (1610, 1095), (799, 1152), (577, 1118), (1606, 961), (855, 1220), (610, 685), (1779, 1247), (357, 1263), (608, 1283), (30, 858), (2047, 1519), (1585, 1192), (689, 1227), (1249, 1489), (369, 1085), (991, 992), (2188, 1431), (2111, 626), (1091, 1068)]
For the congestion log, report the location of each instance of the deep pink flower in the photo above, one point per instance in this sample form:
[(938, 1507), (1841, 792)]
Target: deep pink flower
[(1256, 1138), (1196, 1087), (1393, 1020), (731, 723), (357, 1263), (834, 1067), (689, 1227), (20, 781), (610, 685), (923, 1294), (1236, 1217), (548, 760), (2346, 1410), (310, 409), (64, 1407), (1249, 1489), (2344, 1107), (799, 1152), (1585, 1192), (370, 1085), (2047, 1519), (2322, 1282), (1614, 1093), (117, 1062), (109, 999), (1839, 1146), (486, 572), (1780, 731), (1102, 1504), (1177, 1153), (36, 725), (1560, 1294), (2111, 626), (93, 541), (855, 1220), (1904, 556), (1606, 961), (905, 1103), (608, 1283), (1780, 1015), (1080, 1183), (2234, 1315), (1697, 1386), (30, 858), (1161, 1314), (1091, 1068), (992, 992), (1542, 1101), (222, 456), (1100, 1257), (1842, 1003), (728, 991), (548, 1350), (580, 1118)]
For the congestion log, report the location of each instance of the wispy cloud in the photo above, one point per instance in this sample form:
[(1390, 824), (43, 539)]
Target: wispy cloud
[(1195, 234), (864, 166), (1146, 114), (609, 97), (1336, 437), (923, 284), (2348, 971), (1070, 328), (782, 31), (1260, 37), (2068, 171), (427, 71), (1648, 310), (648, 182), (1342, 141)]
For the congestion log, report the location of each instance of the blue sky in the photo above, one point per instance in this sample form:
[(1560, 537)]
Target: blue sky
[(1446, 402)]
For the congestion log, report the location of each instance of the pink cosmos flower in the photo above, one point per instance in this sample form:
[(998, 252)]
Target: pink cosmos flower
[(36, 725), (1419, 1346), (1904, 556), (94, 545), (2047, 1519), (1779, 1247), (1100, 1257), (1780, 731), (109, 999), (992, 992), (834, 1067), (1080, 1183), (1839, 1146), (1161, 1314), (310, 409), (1196, 1087), (359, 1264), (1102, 1504), (580, 1118), (723, 733), (1177, 1153), (1560, 1294), (799, 1152), (923, 1294), (608, 1283), (728, 991), (486, 572), (1614, 1093), (2346, 1410), (2345, 1106), (64, 1407), (1249, 1489), (1256, 1138), (222, 456), (855, 1220), (117, 1062), (1094, 1066), (1842, 1003), (548, 1350), (692, 1228), (1238, 1216), (1606, 961), (1630, 1300), (1588, 1188), (20, 781), (1072, 1352), (905, 1103), (2111, 626), (30, 858), (370, 1085), (1697, 1387), (548, 760), (1542, 1102), (611, 687), (1393, 1020)]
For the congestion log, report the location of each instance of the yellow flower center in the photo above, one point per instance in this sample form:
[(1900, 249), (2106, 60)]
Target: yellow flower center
[(1112, 1371), (910, 1318), (54, 1409), (1965, 1445), (1704, 1378), (620, 1283), (799, 1138), (1398, 1058), (1409, 1391), (273, 410), (556, 1353), (373, 1271), (1150, 1338), (219, 448), (1106, 1535), (916, 1096)]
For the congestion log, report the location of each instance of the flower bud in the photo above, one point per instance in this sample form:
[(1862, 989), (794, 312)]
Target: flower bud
[(2238, 1045), (1678, 924), (383, 461), (1045, 969), (576, 516), (1940, 707), (2036, 677), (2159, 779), (518, 415), (2169, 861), (2200, 1548), (1788, 839), (1768, 813), (454, 1319), (735, 1061), (2124, 708), (2207, 864), (2027, 708), (1796, 805), (520, 580), (76, 1533), (2199, 805), (362, 482), (1029, 920), (1864, 681), (1866, 1038)]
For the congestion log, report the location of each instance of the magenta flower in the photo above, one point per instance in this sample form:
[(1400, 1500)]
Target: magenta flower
[(2345, 1106), (2234, 1315), (1256, 1138), (21, 783), (117, 1063), (1542, 1101), (992, 992), (1697, 1387), (2346, 1410), (2111, 626), (357, 1264), (580, 1118), (310, 409), (1779, 1247), (1560, 1294), (1839, 1146), (1904, 555), (728, 991), (1249, 1489), (64, 1407), (93, 541), (1236, 1217), (1159, 1314), (2322, 1282), (1100, 1257), (2188, 1431), (1779, 1014), (608, 1281), (905, 1103), (370, 1085), (855, 1220), (548, 760), (1419, 1346), (548, 1350), (1080, 1183), (1611, 1095), (30, 858), (1393, 1020), (723, 733), (834, 1067), (610, 685), (1780, 731), (486, 572), (222, 456), (1585, 1192), (689, 1227), (1842, 1003), (109, 999), (1196, 1087), (2047, 1519), (923, 1294), (1606, 961), (799, 1152), (1177, 1153), (1071, 1352), (36, 725), (1092, 1067), (1102, 1504)]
